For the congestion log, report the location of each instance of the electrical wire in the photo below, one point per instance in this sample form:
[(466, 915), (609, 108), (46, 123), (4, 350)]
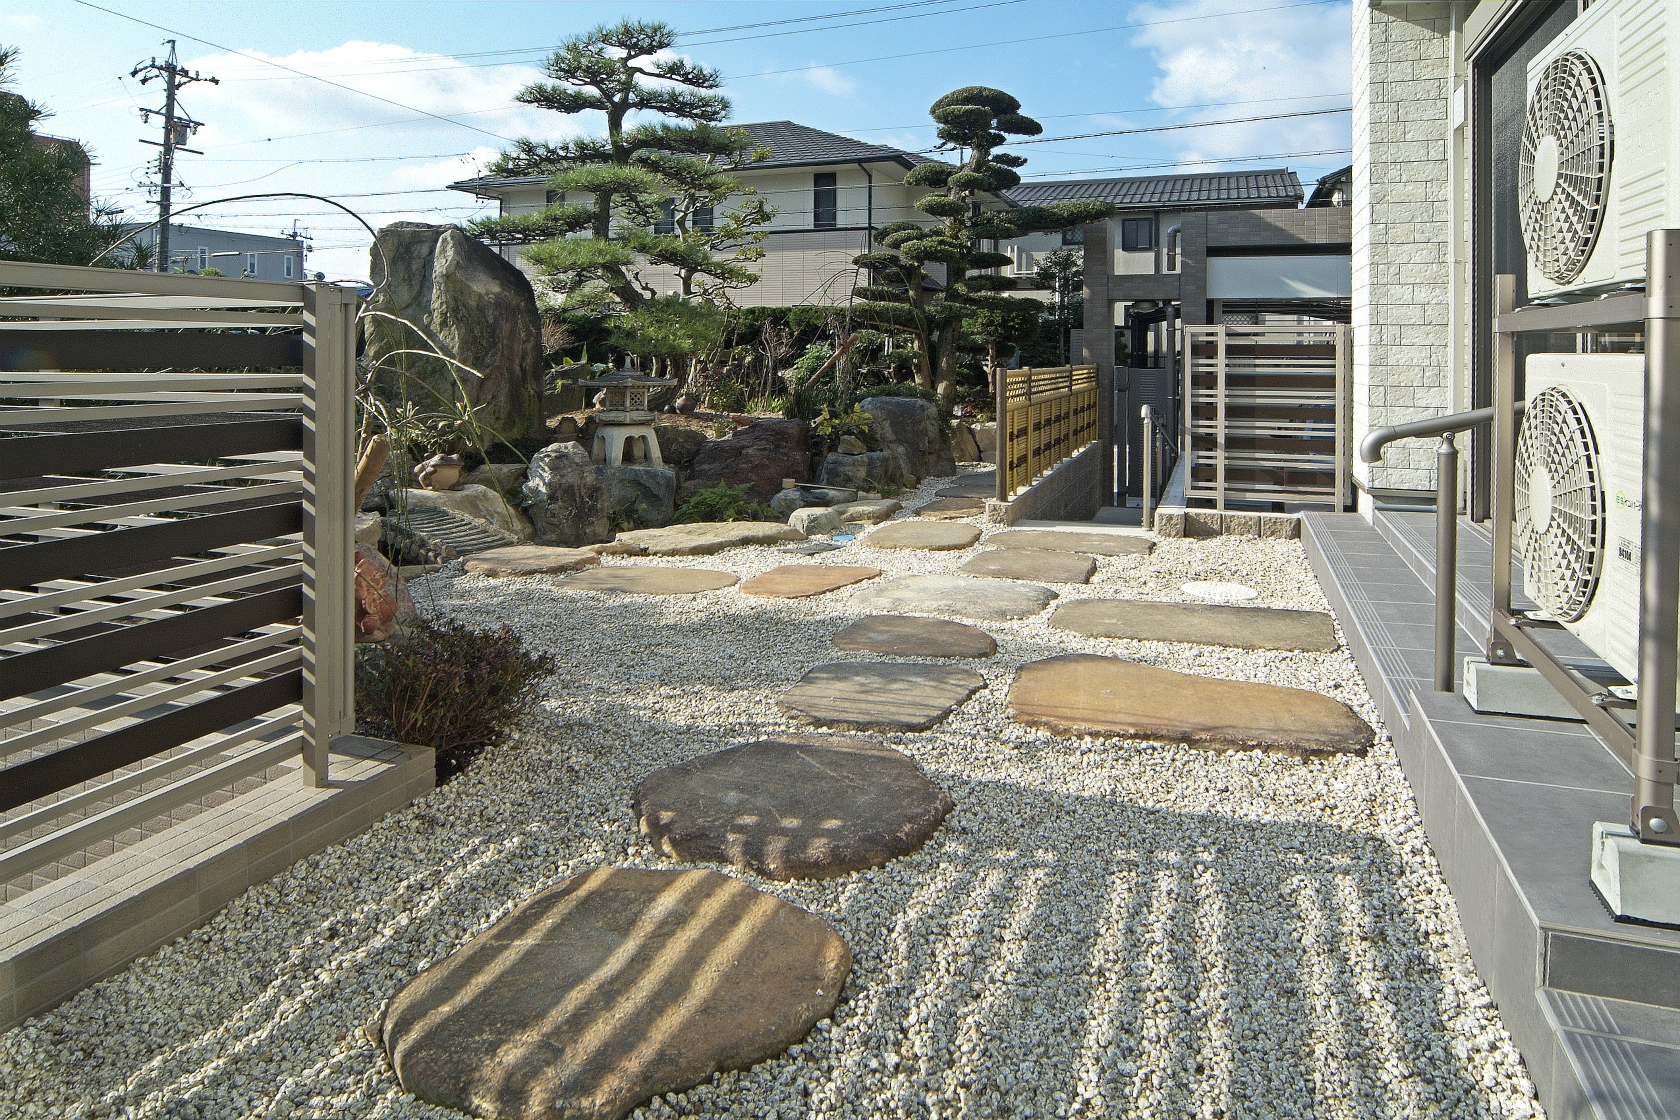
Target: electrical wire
[(1174, 127)]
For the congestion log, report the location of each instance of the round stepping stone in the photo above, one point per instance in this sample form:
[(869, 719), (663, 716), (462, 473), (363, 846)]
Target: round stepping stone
[(897, 636), (1064, 540), (798, 581), (878, 509), (707, 537), (1083, 694), (992, 600), (867, 696), (799, 807), (609, 989), (1033, 563), (1203, 623), (1219, 591), (952, 509), (933, 536), (530, 560), (639, 580)]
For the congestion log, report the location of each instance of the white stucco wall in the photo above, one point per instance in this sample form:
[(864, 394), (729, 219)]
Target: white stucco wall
[(1401, 283)]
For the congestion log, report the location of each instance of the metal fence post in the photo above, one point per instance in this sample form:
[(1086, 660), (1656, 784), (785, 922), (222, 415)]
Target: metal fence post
[(1148, 518), (329, 364), (1446, 561), (1000, 437)]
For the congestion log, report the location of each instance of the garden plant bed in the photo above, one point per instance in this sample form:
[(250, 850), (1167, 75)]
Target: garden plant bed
[(1099, 928)]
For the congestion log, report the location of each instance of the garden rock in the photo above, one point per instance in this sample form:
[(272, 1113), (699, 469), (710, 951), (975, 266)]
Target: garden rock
[(851, 445), (867, 511), (952, 509), (477, 306), (893, 696), (638, 580), (760, 455), (1203, 623), (500, 477), (964, 447), (678, 443), (975, 484), (530, 560), (566, 502), (1032, 563), (706, 537), (864, 472), (609, 989), (1062, 540), (797, 807), (383, 604), (921, 534), (985, 438), (650, 493), (993, 600), (479, 503), (819, 519), (898, 636), (800, 581), (786, 501), (370, 528), (1084, 694), (912, 427)]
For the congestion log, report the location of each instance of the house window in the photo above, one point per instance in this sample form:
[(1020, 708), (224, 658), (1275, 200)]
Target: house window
[(667, 223), (203, 258), (825, 201), (1137, 234), (703, 218), (290, 265), (250, 264), (554, 197), (1074, 236)]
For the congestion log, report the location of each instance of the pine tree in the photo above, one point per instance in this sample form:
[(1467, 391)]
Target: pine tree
[(973, 121), (656, 190)]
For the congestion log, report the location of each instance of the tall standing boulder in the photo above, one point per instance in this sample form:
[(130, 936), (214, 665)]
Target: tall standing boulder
[(761, 454), (566, 501), (910, 429), (474, 306)]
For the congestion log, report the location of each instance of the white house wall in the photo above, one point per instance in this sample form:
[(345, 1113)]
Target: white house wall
[(1283, 277)]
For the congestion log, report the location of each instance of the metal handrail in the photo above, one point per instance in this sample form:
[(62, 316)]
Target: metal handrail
[(1446, 517)]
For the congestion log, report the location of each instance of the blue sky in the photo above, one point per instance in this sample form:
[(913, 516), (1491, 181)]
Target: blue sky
[(865, 68)]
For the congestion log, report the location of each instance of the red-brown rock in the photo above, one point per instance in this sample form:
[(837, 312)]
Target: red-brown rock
[(760, 454)]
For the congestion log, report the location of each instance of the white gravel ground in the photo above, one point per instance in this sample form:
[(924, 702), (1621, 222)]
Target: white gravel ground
[(1101, 929)]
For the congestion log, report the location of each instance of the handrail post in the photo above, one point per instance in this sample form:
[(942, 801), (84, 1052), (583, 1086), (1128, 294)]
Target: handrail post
[(1000, 436), (1446, 561), (1148, 519)]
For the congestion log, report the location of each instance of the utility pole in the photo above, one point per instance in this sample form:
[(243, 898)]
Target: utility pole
[(176, 129)]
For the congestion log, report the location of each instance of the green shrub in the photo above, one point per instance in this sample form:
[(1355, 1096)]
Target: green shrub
[(904, 389), (726, 396), (723, 502), (448, 686)]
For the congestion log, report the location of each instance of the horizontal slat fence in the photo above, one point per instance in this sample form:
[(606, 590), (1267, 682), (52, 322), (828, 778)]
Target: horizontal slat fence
[(1045, 417), (1265, 413), (175, 548)]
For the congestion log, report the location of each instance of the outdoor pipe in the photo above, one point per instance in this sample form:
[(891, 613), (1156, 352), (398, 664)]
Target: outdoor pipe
[(1148, 518)]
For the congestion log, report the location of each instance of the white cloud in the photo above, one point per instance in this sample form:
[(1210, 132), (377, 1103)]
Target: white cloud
[(23, 21), (1258, 58), (825, 79)]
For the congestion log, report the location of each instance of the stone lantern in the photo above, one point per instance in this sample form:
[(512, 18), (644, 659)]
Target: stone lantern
[(624, 426)]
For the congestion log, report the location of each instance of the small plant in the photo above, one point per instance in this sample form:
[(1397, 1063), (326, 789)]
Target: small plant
[(832, 424), (727, 396), (904, 389), (448, 686), (724, 503), (627, 516)]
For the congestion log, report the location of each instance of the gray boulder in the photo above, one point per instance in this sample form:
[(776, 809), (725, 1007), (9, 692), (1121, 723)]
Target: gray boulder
[(786, 501), (817, 519), (761, 455), (867, 472), (476, 307), (964, 447), (652, 489), (567, 503), (911, 428), (678, 443)]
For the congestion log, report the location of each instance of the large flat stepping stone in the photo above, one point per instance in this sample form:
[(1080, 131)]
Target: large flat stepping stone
[(933, 536), (640, 580), (992, 600), (1033, 563), (530, 560), (1203, 623), (1064, 540), (873, 510), (707, 537), (952, 509), (798, 581), (798, 807), (609, 989), (979, 484), (868, 696), (899, 636), (1083, 694)]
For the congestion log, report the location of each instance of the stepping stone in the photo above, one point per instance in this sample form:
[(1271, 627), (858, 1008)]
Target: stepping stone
[(933, 536), (952, 509), (868, 696), (707, 537), (811, 548), (799, 807), (1083, 694), (1064, 540), (650, 581), (1219, 591), (897, 636), (980, 484), (609, 989), (993, 600), (877, 510), (530, 560), (799, 581), (1033, 563), (1203, 623)]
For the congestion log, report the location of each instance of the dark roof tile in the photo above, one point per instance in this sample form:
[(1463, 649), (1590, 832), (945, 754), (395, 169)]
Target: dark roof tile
[(1278, 187)]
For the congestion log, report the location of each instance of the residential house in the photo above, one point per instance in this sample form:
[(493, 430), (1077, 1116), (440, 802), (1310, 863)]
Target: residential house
[(254, 256)]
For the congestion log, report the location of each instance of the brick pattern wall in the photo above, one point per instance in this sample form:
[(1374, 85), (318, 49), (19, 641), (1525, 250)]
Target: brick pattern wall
[(1401, 261), (1321, 225)]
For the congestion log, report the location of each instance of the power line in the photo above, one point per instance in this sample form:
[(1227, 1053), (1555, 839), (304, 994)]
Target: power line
[(1175, 127), (1194, 163), (177, 129)]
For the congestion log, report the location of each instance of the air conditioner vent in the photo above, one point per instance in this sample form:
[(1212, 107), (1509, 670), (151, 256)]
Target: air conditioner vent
[(1560, 505), (1563, 174)]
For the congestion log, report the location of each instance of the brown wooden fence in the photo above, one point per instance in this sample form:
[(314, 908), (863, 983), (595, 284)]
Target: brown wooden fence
[(1045, 417), (175, 544)]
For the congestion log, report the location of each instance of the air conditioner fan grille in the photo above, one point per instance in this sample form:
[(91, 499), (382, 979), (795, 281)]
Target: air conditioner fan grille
[(1568, 135), (1559, 505)]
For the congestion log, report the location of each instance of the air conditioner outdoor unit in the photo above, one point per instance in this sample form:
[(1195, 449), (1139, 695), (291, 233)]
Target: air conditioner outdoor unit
[(1600, 158), (1578, 496)]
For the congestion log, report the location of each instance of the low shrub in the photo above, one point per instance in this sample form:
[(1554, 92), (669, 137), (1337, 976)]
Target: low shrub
[(448, 686), (903, 389), (724, 502)]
